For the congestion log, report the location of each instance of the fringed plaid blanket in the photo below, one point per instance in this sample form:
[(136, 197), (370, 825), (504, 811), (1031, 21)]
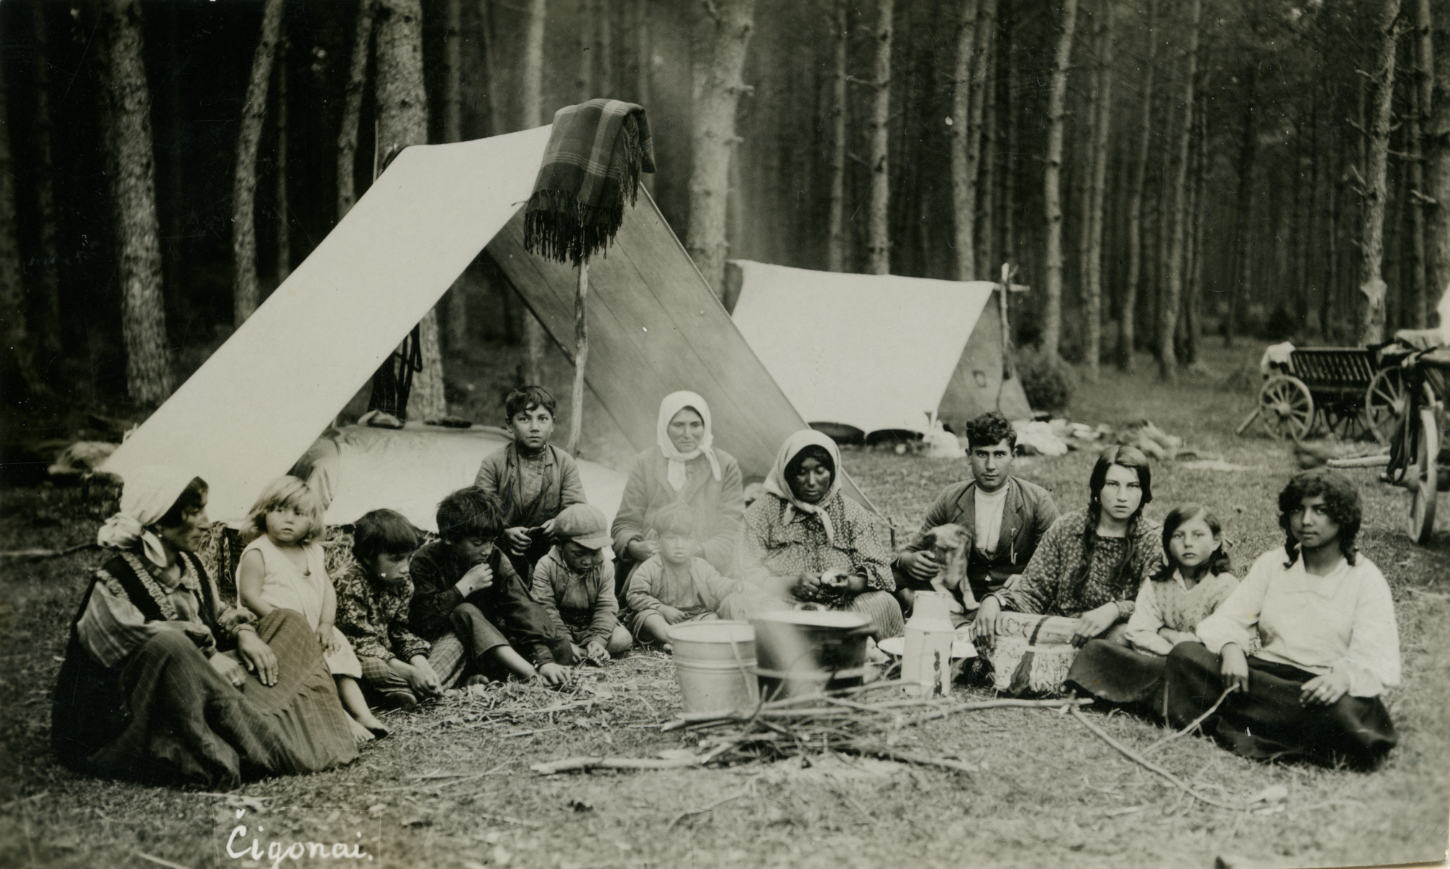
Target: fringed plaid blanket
[(595, 155)]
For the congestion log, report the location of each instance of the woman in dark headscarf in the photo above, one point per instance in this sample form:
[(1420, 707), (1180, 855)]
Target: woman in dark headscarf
[(162, 680), (805, 542)]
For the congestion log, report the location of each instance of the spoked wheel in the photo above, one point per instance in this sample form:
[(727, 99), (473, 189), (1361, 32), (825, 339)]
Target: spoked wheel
[(1384, 403), (1285, 407), (1422, 478)]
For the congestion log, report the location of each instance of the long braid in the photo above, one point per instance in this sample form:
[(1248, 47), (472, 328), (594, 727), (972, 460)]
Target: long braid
[(1080, 574)]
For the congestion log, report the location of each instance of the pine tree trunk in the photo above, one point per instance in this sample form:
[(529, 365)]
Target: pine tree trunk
[(246, 291), (1372, 288), (453, 132), (1433, 85), (1418, 295), (403, 121), (964, 204), (835, 234), (533, 108), (642, 52), (1193, 304), (1093, 279), (48, 281), (1128, 309), (132, 167), (497, 126), (986, 252), (585, 50), (1173, 287), (284, 223), (1052, 181), (1312, 286), (878, 230), (722, 34), (17, 363), (604, 47), (357, 74), (981, 80), (1009, 163), (1242, 287)]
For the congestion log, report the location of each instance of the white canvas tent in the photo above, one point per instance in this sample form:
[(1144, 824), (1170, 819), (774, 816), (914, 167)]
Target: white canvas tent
[(263, 397), (877, 352)]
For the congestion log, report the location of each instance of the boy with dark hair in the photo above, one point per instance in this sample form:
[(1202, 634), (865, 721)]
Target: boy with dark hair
[(464, 585), (534, 481), (1003, 516), (399, 667)]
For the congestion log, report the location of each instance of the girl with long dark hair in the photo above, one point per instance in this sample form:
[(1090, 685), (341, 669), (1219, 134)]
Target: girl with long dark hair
[(1091, 561)]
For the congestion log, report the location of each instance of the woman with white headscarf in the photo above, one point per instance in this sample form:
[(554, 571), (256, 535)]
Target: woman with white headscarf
[(806, 542), (163, 680), (683, 466)]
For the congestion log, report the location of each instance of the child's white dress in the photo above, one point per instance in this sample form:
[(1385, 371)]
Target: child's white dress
[(286, 587)]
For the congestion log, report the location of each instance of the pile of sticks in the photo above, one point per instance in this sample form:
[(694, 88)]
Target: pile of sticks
[(846, 721)]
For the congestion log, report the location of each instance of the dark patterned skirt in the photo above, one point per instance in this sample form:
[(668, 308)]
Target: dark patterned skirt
[(1119, 674), (1268, 722)]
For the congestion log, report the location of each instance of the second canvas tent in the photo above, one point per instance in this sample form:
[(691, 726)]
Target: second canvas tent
[(877, 352)]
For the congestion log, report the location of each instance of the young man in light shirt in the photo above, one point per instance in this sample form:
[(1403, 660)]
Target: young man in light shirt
[(1003, 515)]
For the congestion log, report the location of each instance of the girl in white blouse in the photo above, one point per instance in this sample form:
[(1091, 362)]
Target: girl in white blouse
[(1328, 642)]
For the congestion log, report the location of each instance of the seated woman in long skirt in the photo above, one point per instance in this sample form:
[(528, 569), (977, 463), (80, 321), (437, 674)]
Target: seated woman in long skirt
[(1186, 590), (163, 681), (1329, 643)]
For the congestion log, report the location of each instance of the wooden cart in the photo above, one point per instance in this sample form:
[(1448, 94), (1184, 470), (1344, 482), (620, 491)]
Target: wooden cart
[(1327, 389)]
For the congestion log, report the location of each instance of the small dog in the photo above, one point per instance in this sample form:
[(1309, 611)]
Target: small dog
[(952, 545)]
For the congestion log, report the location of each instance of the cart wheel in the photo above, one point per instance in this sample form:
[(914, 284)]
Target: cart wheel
[(1285, 407), (1384, 403), (1423, 479)]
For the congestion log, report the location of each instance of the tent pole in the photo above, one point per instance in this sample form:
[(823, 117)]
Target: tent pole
[(581, 355)]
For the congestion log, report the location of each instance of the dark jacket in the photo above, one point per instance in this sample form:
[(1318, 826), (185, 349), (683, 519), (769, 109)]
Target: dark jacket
[(507, 603), (1026, 516), (499, 473)]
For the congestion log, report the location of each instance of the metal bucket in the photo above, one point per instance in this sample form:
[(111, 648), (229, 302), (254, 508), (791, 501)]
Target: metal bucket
[(715, 666), (809, 651)]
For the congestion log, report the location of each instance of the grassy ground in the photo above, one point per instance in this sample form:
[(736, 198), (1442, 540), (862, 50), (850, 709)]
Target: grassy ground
[(1048, 792)]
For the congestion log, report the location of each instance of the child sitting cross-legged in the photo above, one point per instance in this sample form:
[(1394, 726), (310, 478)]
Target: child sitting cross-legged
[(399, 667), (463, 586), (574, 583), (674, 585)]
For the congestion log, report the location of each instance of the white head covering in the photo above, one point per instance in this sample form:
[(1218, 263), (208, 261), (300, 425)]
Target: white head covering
[(148, 493), (778, 484), (673, 404)]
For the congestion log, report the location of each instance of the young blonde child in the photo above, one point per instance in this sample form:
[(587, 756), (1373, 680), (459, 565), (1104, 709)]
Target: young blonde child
[(284, 569), (1170, 604), (675, 585)]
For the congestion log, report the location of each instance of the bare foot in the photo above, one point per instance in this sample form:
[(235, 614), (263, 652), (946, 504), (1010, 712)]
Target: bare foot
[(359, 733), (371, 723)]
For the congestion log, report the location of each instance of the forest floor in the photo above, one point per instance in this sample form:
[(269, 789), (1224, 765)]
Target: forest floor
[(452, 785)]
